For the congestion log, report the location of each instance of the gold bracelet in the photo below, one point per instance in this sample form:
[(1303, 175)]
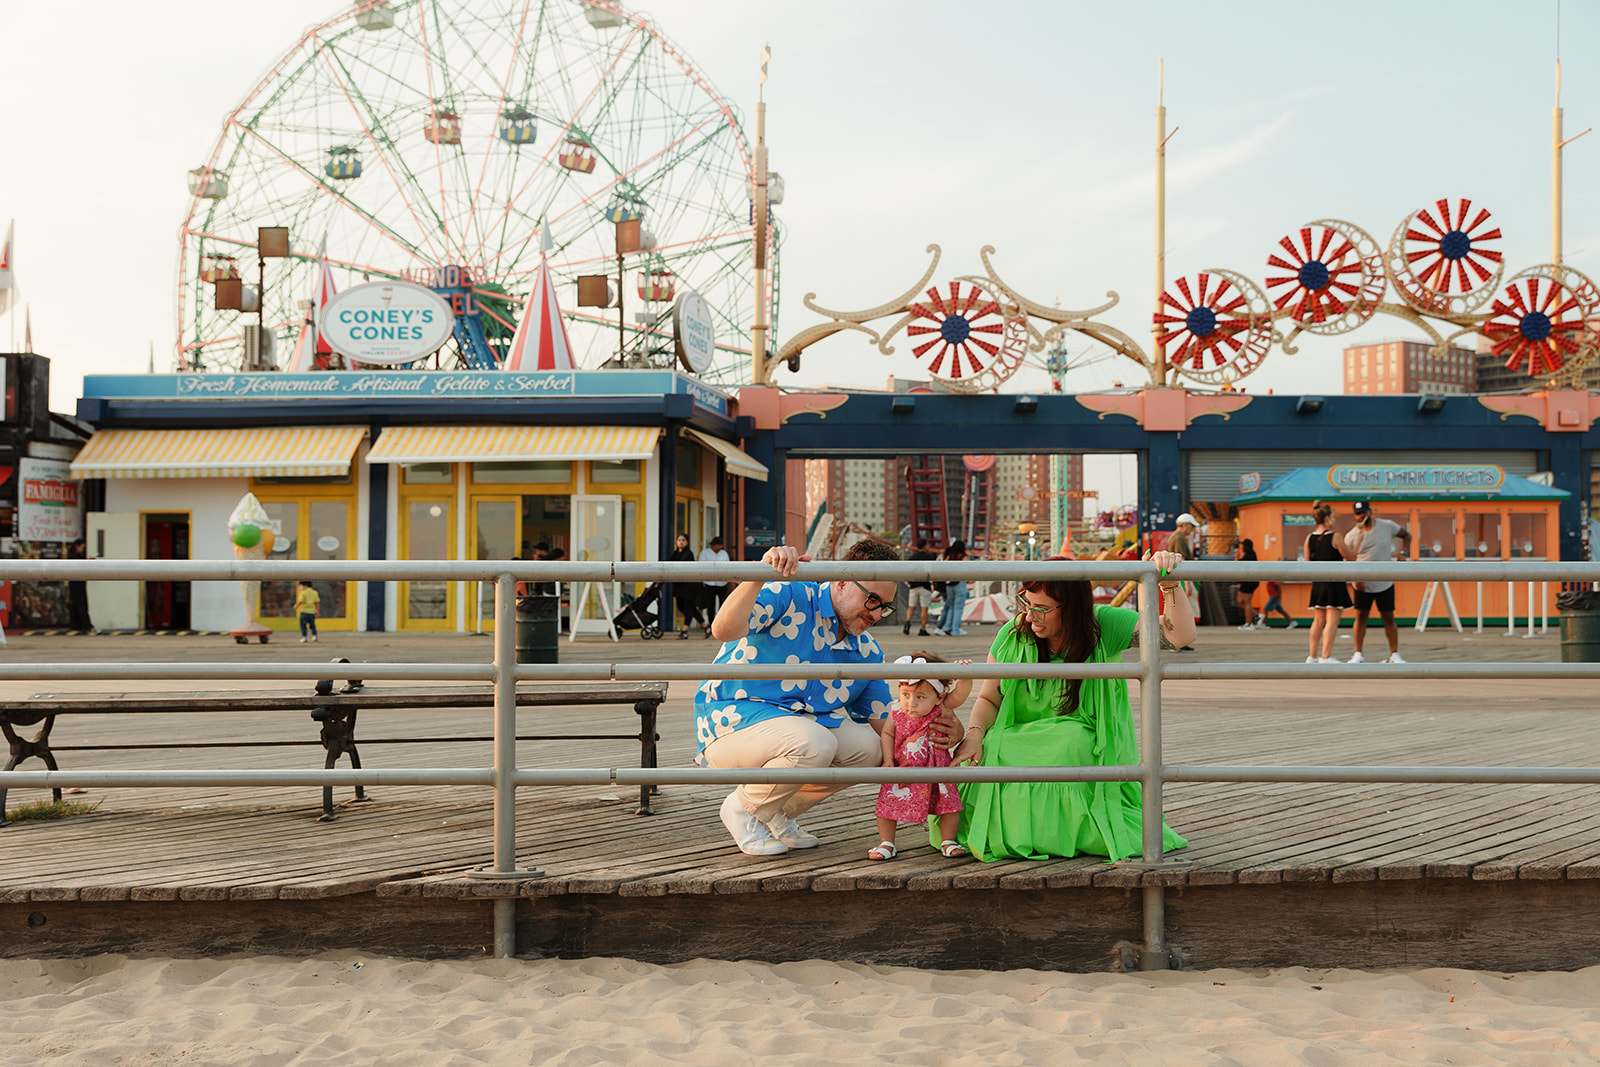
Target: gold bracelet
[(1170, 589)]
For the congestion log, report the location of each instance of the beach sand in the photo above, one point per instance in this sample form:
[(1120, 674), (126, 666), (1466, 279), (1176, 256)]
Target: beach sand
[(337, 1008)]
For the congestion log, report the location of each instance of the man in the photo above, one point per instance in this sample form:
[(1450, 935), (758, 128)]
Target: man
[(716, 592), (1182, 542), (78, 592), (1372, 539), (744, 722), (919, 594)]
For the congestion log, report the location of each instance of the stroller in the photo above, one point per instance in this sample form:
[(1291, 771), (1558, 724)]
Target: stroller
[(640, 613)]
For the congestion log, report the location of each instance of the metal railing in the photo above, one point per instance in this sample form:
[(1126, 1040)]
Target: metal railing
[(504, 777)]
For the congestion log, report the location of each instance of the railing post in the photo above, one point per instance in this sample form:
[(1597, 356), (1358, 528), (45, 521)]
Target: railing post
[(505, 767), (1155, 956)]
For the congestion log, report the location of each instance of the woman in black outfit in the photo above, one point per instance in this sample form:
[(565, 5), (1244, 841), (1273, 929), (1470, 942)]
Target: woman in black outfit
[(687, 595), (1328, 599), (1247, 590)]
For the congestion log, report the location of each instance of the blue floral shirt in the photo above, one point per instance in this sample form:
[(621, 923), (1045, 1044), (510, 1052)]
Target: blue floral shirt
[(792, 622)]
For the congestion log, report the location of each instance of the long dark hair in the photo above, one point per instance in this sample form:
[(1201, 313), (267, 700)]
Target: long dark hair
[(1082, 629)]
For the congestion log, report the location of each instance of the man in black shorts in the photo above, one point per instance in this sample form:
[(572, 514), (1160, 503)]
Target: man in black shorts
[(1372, 540)]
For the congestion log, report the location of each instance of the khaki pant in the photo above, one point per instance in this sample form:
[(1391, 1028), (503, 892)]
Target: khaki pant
[(793, 741)]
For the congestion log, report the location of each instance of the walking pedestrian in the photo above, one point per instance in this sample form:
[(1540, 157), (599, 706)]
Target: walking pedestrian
[(687, 595), (306, 602), (78, 592), (919, 595), (1247, 590), (1274, 606), (715, 592), (955, 594)]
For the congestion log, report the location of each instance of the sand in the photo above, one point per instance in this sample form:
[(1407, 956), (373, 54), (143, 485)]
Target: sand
[(340, 1008)]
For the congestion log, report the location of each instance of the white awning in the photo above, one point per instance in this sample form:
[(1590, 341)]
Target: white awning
[(739, 463), (511, 444), (257, 451)]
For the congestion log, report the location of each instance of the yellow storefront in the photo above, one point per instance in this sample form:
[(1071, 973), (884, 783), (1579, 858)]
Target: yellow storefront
[(495, 492)]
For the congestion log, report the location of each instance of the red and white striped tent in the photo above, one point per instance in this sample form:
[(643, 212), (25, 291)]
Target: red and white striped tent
[(541, 329), (311, 350)]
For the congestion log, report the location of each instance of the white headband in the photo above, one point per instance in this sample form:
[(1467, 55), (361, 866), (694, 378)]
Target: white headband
[(938, 686)]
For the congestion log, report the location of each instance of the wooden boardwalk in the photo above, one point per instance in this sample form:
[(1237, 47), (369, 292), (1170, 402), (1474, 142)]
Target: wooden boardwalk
[(1320, 874)]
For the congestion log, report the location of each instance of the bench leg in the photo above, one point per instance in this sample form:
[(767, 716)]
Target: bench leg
[(23, 748), (648, 737), (338, 738)]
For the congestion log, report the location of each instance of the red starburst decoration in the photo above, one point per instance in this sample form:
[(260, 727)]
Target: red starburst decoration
[(959, 318)]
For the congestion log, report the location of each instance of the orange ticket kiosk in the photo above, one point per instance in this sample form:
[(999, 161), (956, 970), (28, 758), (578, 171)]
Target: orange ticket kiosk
[(1466, 512)]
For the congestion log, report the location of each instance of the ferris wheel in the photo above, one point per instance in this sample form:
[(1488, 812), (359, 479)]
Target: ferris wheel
[(448, 141)]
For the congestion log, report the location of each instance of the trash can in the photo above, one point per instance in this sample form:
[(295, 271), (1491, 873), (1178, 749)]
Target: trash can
[(538, 628), (1580, 626)]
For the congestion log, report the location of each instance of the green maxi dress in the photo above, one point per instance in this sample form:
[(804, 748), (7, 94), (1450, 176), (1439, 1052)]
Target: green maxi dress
[(1035, 820)]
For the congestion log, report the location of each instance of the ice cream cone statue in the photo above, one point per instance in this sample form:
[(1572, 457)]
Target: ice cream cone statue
[(250, 530)]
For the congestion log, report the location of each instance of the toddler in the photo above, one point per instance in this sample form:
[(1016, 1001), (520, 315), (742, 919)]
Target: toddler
[(306, 601), (907, 743)]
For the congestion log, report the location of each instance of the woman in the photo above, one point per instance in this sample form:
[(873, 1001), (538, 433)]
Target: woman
[(687, 595), (1047, 722), (1247, 590), (955, 594), (1328, 599)]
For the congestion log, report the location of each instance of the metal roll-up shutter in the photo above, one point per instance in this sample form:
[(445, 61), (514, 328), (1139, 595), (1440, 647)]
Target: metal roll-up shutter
[(1213, 476)]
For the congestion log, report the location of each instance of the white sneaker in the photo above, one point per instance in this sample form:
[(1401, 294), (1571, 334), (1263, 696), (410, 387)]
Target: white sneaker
[(1259, 622), (1313, 659), (1327, 659), (1248, 626), (1394, 657), (1294, 624), (302, 640), (749, 834), (1357, 657), (788, 831)]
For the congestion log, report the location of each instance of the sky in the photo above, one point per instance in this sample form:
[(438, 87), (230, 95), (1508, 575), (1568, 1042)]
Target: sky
[(1027, 126)]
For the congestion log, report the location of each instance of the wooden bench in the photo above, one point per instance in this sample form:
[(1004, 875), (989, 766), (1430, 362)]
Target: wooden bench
[(336, 712)]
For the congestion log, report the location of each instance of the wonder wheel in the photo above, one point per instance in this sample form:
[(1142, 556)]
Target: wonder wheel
[(1221, 326), (1335, 280), (439, 141), (1441, 263), (1537, 324)]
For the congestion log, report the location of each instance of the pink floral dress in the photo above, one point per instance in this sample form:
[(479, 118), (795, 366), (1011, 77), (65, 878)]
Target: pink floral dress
[(913, 802)]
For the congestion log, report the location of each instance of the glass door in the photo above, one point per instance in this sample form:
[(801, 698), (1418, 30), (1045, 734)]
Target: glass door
[(427, 605), (495, 534), (596, 538)]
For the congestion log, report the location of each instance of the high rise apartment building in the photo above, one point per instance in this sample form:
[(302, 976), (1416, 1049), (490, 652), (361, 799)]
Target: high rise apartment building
[(1409, 367)]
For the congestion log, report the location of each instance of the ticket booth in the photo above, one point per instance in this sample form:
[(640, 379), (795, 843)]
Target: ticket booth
[(1467, 512)]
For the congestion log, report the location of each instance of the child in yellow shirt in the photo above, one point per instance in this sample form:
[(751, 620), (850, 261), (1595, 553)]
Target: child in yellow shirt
[(306, 602)]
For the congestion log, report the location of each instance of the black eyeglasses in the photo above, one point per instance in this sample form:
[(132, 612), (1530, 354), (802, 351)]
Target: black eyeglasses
[(875, 602), (1033, 609)]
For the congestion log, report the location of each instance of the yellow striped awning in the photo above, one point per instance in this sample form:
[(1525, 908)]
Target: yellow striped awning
[(739, 463), (258, 451), (510, 444)]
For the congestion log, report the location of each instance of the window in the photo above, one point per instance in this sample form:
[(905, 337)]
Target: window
[(428, 473), (1482, 535), (523, 472), (616, 472), (1527, 537), (1438, 537)]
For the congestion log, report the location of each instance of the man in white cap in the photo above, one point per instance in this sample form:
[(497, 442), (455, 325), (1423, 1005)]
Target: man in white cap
[(1182, 543)]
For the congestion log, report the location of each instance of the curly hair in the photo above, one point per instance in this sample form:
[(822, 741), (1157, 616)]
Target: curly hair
[(871, 550)]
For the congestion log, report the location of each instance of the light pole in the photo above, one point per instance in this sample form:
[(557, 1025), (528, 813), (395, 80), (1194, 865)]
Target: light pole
[(272, 242)]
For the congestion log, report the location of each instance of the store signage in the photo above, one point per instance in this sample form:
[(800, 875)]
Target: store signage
[(406, 384), (694, 330), (1399, 480), (384, 323), (48, 505)]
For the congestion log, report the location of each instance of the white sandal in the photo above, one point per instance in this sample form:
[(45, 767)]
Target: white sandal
[(953, 848), (884, 851)]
